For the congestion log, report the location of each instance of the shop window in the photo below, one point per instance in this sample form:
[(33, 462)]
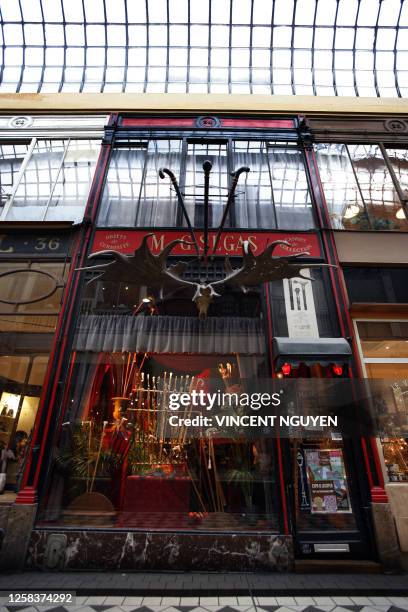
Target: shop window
[(378, 285), (31, 286), (54, 181), (384, 348), (118, 463), (134, 195), (273, 194), (21, 381), (30, 299), (359, 188)]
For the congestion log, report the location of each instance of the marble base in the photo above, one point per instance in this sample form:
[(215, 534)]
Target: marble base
[(130, 550), (20, 520)]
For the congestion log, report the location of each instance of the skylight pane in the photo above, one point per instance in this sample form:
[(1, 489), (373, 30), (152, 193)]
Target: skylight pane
[(347, 11), (199, 35), (137, 35), (261, 37), (220, 36), (31, 10), (240, 36), (368, 12), (34, 34), (13, 34), (74, 35), (54, 34), (10, 11), (305, 12), (262, 12), (52, 10), (74, 9), (116, 35), (241, 11), (198, 11), (283, 12), (136, 11), (389, 10), (326, 12), (94, 11), (220, 11), (179, 36), (115, 11), (386, 38)]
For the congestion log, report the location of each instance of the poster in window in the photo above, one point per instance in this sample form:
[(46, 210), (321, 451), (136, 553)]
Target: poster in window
[(327, 480)]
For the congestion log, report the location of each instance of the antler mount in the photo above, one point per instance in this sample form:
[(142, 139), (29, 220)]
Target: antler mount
[(144, 268)]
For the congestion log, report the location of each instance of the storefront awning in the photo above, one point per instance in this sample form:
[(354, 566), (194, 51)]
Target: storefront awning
[(311, 350)]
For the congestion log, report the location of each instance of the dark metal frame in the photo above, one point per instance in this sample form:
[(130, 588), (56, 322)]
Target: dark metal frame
[(283, 138)]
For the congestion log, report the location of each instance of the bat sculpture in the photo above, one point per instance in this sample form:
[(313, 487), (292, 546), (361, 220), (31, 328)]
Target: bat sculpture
[(146, 269)]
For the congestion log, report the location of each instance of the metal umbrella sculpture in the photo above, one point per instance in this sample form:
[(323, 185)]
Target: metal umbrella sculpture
[(144, 268)]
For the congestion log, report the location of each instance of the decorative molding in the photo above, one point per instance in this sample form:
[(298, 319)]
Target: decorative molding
[(397, 126)]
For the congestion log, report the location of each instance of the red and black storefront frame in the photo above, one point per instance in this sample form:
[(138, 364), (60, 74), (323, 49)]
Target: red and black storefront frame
[(91, 238)]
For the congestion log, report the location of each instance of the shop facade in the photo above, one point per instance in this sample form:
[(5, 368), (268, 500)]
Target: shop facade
[(103, 466)]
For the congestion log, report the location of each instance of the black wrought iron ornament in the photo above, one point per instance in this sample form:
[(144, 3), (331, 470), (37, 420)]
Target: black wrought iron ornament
[(144, 268)]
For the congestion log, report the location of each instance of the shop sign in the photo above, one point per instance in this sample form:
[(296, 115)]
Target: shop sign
[(34, 244), (230, 243), (300, 307)]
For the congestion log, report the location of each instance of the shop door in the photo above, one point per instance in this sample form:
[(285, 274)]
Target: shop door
[(329, 516), (328, 490)]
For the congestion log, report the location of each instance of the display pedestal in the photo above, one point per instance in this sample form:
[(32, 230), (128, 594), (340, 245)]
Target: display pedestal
[(155, 502)]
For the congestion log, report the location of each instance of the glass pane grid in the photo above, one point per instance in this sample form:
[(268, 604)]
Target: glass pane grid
[(344, 47), (359, 189)]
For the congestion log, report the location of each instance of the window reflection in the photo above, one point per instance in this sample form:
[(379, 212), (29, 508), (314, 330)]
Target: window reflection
[(290, 189), (11, 158), (134, 194), (29, 281), (197, 154), (358, 187), (118, 460), (274, 194), (55, 182)]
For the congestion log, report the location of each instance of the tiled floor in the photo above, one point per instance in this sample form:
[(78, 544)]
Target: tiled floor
[(224, 603), (210, 591)]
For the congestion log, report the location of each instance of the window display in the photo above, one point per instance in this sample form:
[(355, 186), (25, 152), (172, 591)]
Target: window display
[(118, 462), (21, 380)]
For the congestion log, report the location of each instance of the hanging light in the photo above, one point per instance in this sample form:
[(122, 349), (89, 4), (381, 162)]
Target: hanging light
[(400, 213), (286, 368), (351, 211), (338, 370)]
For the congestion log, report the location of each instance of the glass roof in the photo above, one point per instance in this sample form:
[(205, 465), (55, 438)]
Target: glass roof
[(310, 47)]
